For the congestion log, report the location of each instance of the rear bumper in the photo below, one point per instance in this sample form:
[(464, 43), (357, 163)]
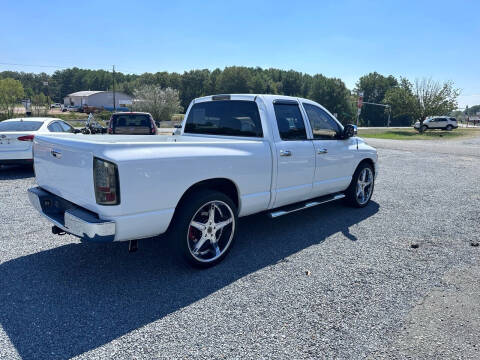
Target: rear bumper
[(12, 156), (71, 218)]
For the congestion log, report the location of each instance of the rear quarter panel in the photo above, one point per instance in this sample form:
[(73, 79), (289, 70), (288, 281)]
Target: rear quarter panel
[(153, 178)]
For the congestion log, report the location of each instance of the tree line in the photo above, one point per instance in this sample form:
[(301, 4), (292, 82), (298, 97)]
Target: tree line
[(330, 92)]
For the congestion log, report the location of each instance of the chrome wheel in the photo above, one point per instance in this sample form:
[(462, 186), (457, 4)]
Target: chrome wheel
[(211, 231), (364, 186)]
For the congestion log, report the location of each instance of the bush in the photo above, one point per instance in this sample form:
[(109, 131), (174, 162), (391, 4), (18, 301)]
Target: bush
[(160, 103), (177, 117)]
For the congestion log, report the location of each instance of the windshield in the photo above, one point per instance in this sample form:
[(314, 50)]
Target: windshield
[(20, 125), (131, 120)]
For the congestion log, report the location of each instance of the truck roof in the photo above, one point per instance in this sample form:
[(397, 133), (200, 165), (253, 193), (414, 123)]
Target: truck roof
[(245, 97)]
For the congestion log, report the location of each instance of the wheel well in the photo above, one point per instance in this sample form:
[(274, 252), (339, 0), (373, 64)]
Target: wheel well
[(367, 161), (222, 185)]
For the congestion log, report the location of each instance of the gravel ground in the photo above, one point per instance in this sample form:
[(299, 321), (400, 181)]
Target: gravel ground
[(328, 282)]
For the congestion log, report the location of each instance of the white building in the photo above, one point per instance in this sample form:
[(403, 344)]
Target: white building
[(98, 99)]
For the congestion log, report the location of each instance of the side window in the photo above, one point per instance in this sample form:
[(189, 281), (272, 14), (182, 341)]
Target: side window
[(323, 125), (55, 127), (290, 122), (66, 127)]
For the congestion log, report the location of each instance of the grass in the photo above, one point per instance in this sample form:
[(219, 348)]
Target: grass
[(411, 134)]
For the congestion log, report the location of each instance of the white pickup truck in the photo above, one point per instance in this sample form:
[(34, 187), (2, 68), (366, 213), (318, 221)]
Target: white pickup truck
[(235, 155)]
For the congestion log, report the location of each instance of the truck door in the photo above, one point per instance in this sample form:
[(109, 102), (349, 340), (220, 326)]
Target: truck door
[(295, 155), (335, 157)]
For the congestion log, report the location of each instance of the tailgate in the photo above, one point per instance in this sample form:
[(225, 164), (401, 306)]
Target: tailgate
[(133, 130), (65, 168)]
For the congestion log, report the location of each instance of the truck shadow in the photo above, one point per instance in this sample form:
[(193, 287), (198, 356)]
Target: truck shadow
[(59, 303)]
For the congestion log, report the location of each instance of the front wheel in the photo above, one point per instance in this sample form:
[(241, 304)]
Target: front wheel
[(449, 127), (360, 190), (205, 227)]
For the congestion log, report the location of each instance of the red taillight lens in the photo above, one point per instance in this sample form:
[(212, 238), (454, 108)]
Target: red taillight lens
[(105, 180), (110, 130), (26, 138)]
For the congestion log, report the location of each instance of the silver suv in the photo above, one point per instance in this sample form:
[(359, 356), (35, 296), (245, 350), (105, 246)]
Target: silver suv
[(437, 122)]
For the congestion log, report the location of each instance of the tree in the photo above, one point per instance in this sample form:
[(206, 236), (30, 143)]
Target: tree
[(40, 104), (161, 103), (374, 87), (334, 95), (401, 101), (234, 80), (433, 98), (11, 92)]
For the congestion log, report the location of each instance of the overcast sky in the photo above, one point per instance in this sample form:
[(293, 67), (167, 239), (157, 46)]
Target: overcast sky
[(344, 39)]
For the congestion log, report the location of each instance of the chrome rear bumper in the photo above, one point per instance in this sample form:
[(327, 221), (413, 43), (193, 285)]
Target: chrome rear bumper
[(70, 217)]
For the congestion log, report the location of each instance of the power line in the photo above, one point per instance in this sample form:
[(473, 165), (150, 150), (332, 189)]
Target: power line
[(49, 66), (43, 66)]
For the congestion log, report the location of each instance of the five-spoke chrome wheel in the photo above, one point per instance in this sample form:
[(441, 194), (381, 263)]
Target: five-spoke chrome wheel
[(364, 186), (211, 231)]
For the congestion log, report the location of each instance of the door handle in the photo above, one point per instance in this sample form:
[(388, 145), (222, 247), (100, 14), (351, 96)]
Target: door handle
[(322, 151), (285, 153)]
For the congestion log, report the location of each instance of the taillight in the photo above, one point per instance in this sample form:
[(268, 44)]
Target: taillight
[(110, 130), (26, 138), (106, 183)]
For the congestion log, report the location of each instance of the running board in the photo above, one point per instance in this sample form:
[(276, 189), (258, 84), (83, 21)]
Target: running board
[(301, 206)]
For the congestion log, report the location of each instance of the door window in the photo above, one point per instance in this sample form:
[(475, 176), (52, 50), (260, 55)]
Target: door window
[(290, 122), (55, 127), (324, 127), (65, 127)]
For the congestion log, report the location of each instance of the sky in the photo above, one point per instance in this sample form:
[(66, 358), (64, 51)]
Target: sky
[(343, 39)]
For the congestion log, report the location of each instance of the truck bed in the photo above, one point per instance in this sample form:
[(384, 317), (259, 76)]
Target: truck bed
[(154, 171)]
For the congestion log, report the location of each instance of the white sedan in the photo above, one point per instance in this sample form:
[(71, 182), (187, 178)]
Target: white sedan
[(16, 137)]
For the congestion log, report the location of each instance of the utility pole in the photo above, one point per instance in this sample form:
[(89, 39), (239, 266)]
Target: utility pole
[(389, 111), (114, 102)]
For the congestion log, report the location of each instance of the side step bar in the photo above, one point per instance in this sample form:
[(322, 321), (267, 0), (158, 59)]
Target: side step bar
[(305, 205)]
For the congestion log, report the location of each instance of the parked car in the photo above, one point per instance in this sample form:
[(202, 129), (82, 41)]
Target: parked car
[(16, 137), (132, 123), (71, 108), (236, 155), (437, 122), (55, 106)]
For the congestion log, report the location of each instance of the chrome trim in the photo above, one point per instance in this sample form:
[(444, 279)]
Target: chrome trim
[(307, 205)]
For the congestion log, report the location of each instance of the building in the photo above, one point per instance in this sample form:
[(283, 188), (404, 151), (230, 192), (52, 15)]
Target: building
[(98, 99)]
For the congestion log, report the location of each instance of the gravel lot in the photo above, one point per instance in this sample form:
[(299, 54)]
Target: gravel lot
[(328, 282)]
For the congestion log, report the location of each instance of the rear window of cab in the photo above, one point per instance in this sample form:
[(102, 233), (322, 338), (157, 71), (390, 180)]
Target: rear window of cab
[(225, 117)]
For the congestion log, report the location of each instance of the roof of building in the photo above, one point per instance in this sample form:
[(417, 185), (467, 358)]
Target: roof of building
[(85, 93)]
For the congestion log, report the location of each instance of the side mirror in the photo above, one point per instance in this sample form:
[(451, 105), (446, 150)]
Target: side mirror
[(349, 131)]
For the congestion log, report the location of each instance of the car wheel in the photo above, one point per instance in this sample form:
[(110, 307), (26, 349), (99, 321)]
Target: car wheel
[(360, 190), (424, 128), (205, 227), (449, 128)]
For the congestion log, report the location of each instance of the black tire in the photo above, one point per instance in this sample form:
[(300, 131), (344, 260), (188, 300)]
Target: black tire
[(351, 193), (449, 128), (185, 236), (423, 128)]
